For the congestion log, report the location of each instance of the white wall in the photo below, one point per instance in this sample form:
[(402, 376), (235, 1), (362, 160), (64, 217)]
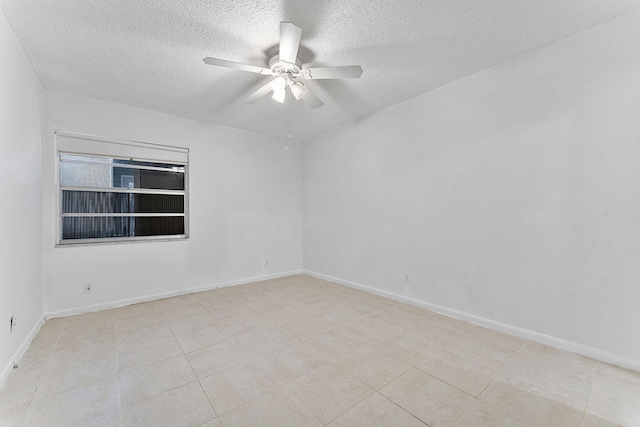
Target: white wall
[(245, 207), (21, 207), (512, 195)]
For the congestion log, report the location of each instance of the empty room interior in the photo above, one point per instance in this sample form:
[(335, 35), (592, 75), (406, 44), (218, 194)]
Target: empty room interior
[(309, 213)]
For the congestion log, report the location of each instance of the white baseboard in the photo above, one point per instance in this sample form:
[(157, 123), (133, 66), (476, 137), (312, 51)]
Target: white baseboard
[(153, 297), (574, 347), (20, 352)]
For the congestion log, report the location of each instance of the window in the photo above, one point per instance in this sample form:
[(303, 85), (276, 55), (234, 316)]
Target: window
[(106, 195)]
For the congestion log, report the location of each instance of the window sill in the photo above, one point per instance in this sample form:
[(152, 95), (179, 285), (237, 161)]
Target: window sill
[(118, 241)]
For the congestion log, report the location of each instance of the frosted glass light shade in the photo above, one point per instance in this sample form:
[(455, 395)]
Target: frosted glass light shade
[(279, 83), (279, 95), (298, 90)]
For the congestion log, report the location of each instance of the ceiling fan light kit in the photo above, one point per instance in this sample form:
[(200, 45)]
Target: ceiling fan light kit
[(279, 95), (287, 70), (298, 90)]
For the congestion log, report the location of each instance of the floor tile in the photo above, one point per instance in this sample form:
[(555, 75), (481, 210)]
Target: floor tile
[(275, 408), (373, 367), (203, 337), (409, 311), (42, 345), (485, 344), (467, 374), (75, 406), (294, 361), (248, 324), (87, 334), (299, 298), (32, 362), (379, 411), (406, 347), (572, 385), (89, 318), (216, 302), (262, 304), (329, 391), (231, 312), (333, 344), (74, 374), (135, 310), (61, 355), (397, 318), (52, 327), (18, 390), (268, 340), (368, 307), (307, 329), (315, 304), (619, 376), (427, 398), (109, 419), (286, 315), (183, 406), (615, 403), (518, 398), (437, 331), (150, 318), (192, 323), (154, 379), (481, 414), (148, 353), (178, 312), (591, 420), (369, 330), (550, 356), (145, 334), (238, 385), (340, 316), (13, 416), (216, 358)]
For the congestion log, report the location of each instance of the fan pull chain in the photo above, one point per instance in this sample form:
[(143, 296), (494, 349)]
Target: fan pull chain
[(287, 130)]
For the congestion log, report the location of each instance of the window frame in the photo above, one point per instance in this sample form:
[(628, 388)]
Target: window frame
[(152, 148)]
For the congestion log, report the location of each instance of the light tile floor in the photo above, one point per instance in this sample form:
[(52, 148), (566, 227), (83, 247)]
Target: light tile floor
[(298, 351)]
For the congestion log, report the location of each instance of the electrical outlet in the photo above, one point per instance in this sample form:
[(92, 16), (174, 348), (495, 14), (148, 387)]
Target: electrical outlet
[(406, 277), (265, 263), (14, 322), (87, 287)]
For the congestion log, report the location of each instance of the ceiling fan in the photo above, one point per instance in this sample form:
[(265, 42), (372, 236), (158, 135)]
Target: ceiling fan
[(287, 71)]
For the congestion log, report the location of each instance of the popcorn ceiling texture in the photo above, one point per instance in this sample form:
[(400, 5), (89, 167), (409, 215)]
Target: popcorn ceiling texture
[(148, 53)]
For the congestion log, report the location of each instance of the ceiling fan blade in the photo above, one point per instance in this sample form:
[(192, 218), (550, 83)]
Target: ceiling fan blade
[(237, 66), (311, 99), (345, 72), (264, 90), (289, 42)]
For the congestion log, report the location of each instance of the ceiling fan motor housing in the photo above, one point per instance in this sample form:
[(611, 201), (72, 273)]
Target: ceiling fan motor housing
[(279, 67)]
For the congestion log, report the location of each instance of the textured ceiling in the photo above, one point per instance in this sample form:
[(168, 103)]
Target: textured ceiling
[(148, 53)]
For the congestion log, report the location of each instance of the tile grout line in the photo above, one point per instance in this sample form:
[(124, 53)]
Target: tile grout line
[(186, 359), (394, 403), (584, 413), (191, 367)]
